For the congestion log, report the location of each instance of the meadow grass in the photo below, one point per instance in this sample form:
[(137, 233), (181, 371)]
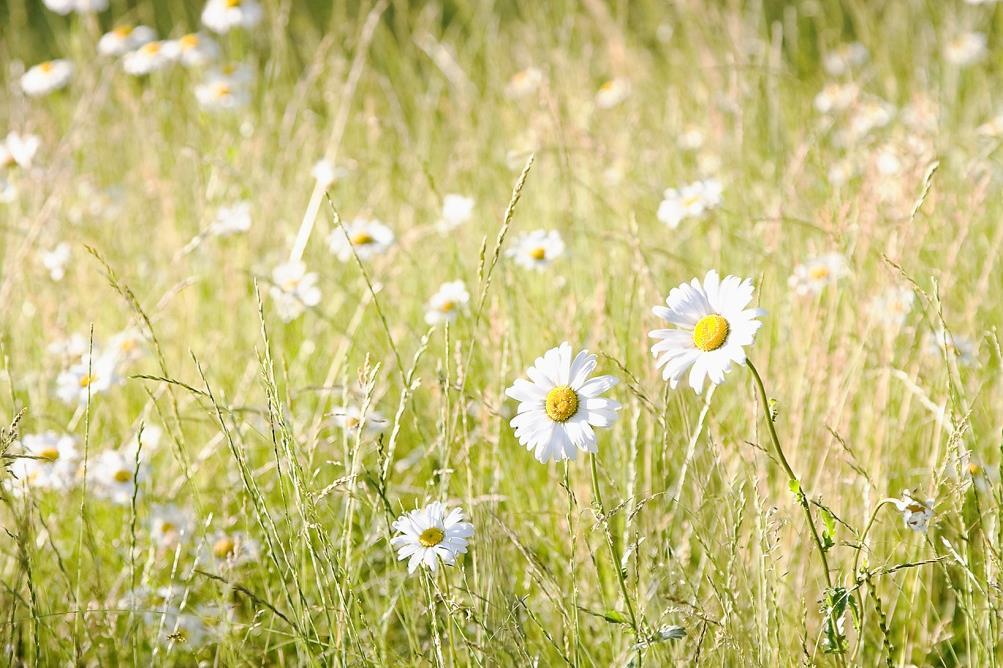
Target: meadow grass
[(684, 541)]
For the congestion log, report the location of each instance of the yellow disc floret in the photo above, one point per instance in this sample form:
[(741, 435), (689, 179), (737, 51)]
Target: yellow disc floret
[(562, 403), (710, 333), (431, 537)]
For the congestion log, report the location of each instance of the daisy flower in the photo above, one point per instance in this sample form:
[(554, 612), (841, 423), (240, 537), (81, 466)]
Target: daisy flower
[(368, 237), (523, 83), (150, 57), (430, 534), (127, 347), (54, 261), (326, 173), (115, 475), (612, 93), (713, 326), (813, 276), (456, 210), (50, 461), (18, 150), (537, 249), (124, 39), (966, 48), (446, 304), (915, 513), (963, 349), (72, 349), (691, 201), (226, 89), (845, 58), (891, 307), (90, 376), (293, 290), (349, 418), (559, 405), (169, 525), (64, 7), (46, 77), (194, 50), (232, 549), (974, 470), (231, 220), (223, 15)]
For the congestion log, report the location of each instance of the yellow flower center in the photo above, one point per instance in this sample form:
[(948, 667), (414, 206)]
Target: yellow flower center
[(87, 379), (223, 89), (168, 527), (123, 475), (819, 273), (353, 422), (47, 66), (224, 548), (974, 469), (233, 3), (152, 48), (49, 454), (447, 306), (122, 31), (362, 239), (539, 253), (608, 86), (691, 200), (562, 403), (710, 333), (189, 41), (431, 537)]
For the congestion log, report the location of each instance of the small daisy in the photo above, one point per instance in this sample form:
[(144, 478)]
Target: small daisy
[(891, 308), (115, 475), (559, 405), (524, 83), (124, 39), (150, 57), (18, 150), (293, 290), (845, 58), (326, 173), (194, 50), (50, 461), (368, 237), (813, 276), (46, 77), (231, 549), (967, 48), (223, 15), (127, 347), (836, 96), (691, 201), (974, 470), (456, 210), (55, 260), (446, 304), (961, 348), (64, 7), (231, 220), (88, 377), (537, 249), (612, 93), (428, 535), (713, 326), (349, 418), (169, 525), (225, 90), (915, 513)]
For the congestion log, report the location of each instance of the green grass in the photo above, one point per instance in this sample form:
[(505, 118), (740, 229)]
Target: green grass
[(696, 507)]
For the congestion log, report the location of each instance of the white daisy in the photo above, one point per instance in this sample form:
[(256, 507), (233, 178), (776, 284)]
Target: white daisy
[(326, 173), (126, 347), (813, 276), (194, 50), (55, 260), (966, 48), (691, 201), (523, 83), (368, 237), (114, 474), (456, 210), (293, 290), (961, 348), (225, 89), (559, 405), (536, 249), (64, 7), (231, 549), (445, 305), (90, 376), (50, 462), (430, 534), (150, 57), (169, 525), (231, 220), (46, 77), (223, 15), (71, 349), (713, 327), (915, 513), (612, 93), (844, 58), (890, 308), (18, 150), (349, 418), (124, 39)]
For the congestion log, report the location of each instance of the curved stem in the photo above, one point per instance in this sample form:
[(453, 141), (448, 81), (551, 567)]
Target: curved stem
[(856, 563)]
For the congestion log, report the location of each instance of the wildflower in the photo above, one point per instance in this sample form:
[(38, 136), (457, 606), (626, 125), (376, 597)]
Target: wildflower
[(193, 50), (126, 347), (691, 201), (524, 83), (940, 342), (428, 535), (368, 238), (974, 469), (169, 525), (350, 419), (181, 630), (845, 58), (231, 549), (327, 174), (966, 48), (18, 150), (891, 307), (55, 260), (446, 304), (115, 474), (124, 39), (70, 350), (64, 7), (231, 220), (612, 93), (713, 326), (223, 15), (537, 249), (456, 210), (50, 461), (559, 405), (92, 375), (915, 513), (46, 77), (149, 58), (812, 276), (293, 290), (226, 89), (836, 96)]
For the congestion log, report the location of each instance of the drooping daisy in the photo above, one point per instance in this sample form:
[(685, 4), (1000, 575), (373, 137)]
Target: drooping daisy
[(64, 7), (536, 249), (293, 290), (18, 150), (231, 549), (90, 376), (524, 83), (891, 307), (115, 476), (836, 96), (223, 15), (231, 220), (169, 525), (713, 326), (844, 58), (915, 513), (55, 260), (124, 39), (46, 77), (813, 276), (612, 93), (50, 462), (456, 210), (369, 237), (691, 201), (559, 405), (326, 173), (447, 304), (966, 48), (194, 50), (350, 419), (961, 348), (148, 58), (430, 534)]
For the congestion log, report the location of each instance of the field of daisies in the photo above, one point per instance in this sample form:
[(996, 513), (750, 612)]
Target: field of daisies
[(473, 333)]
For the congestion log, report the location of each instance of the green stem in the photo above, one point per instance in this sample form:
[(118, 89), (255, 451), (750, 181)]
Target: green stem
[(856, 563)]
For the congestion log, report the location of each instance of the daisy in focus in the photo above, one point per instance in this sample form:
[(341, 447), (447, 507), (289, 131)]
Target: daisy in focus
[(125, 38), (223, 15), (713, 326), (369, 237), (446, 305), (813, 276), (560, 404), (430, 534), (194, 50), (49, 462), (293, 290), (612, 93), (691, 201), (149, 58), (537, 249), (232, 219), (350, 419), (46, 77), (916, 514), (456, 210)]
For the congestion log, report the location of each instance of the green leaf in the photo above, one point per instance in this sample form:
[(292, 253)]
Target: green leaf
[(616, 617), (828, 529)]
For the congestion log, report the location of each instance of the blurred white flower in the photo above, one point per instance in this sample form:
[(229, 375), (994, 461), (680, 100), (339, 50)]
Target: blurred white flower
[(915, 513), (55, 260), (844, 58), (91, 376), (446, 304), (326, 173), (169, 525), (71, 349), (231, 219), (46, 77), (150, 57), (812, 276), (691, 138), (293, 290), (524, 82), (51, 462), (963, 349), (536, 249), (124, 39), (115, 476), (369, 237), (18, 150), (223, 15), (429, 535), (836, 96), (612, 93), (181, 631), (456, 210), (64, 7), (691, 201), (966, 48), (890, 308), (194, 50), (225, 89), (126, 347), (230, 549), (349, 418)]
